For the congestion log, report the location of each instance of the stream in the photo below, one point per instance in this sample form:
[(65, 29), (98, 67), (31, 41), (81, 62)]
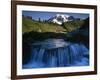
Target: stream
[(57, 53)]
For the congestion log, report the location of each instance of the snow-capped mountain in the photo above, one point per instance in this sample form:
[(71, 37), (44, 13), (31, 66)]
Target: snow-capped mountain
[(60, 18)]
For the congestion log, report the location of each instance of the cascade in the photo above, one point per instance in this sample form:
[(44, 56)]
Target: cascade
[(58, 53)]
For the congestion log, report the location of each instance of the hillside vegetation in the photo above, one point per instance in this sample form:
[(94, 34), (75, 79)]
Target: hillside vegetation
[(72, 25), (36, 26), (29, 25)]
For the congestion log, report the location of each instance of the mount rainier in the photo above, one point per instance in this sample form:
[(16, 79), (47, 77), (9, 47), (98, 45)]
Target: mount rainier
[(61, 18)]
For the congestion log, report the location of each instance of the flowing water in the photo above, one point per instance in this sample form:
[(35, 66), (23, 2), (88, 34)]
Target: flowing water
[(57, 53)]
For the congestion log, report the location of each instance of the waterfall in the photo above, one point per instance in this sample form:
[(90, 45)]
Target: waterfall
[(40, 55), (58, 53)]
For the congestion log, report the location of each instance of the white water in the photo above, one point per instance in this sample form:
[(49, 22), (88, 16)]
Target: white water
[(57, 53)]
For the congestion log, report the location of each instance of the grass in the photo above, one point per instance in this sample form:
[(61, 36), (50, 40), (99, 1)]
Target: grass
[(72, 25), (38, 26)]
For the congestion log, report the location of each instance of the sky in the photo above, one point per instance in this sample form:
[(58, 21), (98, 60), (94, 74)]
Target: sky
[(47, 15)]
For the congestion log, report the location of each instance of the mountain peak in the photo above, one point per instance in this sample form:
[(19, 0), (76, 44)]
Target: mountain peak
[(62, 15), (59, 18)]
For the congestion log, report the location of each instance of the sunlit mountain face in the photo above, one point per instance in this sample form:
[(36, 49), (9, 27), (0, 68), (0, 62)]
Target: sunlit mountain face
[(61, 18)]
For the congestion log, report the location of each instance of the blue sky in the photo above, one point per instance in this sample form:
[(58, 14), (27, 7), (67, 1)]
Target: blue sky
[(46, 15)]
